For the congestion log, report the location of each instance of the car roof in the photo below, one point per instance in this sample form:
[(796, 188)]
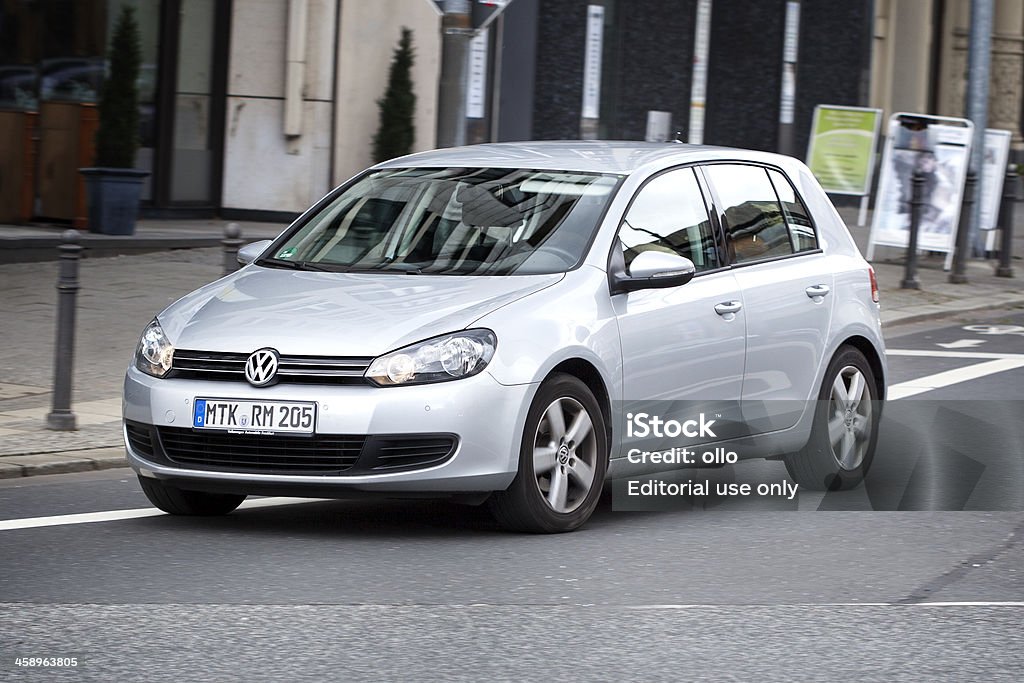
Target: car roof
[(595, 156)]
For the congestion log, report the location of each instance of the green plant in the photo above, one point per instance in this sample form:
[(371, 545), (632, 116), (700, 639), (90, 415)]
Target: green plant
[(397, 132), (117, 138)]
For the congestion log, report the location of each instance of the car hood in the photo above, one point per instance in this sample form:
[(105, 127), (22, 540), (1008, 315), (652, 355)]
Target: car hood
[(335, 314)]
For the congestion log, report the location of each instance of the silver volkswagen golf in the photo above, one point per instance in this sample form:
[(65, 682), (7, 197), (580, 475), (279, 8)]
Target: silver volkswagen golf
[(483, 322)]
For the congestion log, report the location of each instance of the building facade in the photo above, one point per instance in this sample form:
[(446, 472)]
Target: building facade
[(252, 108), (255, 108), (926, 70)]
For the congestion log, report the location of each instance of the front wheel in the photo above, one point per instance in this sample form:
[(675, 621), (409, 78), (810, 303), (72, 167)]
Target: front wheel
[(842, 442), (175, 501), (562, 462)]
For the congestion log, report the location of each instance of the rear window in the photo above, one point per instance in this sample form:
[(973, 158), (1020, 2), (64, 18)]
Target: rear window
[(798, 219), (764, 217)]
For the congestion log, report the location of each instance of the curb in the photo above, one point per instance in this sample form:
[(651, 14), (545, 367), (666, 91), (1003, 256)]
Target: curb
[(16, 466), (939, 311)]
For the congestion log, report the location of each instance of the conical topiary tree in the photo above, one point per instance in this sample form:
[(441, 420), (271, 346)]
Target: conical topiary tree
[(117, 137), (397, 132)]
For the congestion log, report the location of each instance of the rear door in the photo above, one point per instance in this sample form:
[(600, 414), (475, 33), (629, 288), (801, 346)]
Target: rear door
[(786, 287)]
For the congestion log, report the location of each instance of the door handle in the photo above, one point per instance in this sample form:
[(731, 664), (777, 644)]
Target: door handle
[(727, 307), (817, 291)]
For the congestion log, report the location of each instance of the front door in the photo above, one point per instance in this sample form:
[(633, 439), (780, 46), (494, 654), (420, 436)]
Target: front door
[(682, 348)]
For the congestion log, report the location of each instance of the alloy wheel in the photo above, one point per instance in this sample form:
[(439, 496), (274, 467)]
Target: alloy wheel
[(850, 415), (565, 454)]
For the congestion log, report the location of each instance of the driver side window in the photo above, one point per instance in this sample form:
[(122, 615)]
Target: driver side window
[(668, 214)]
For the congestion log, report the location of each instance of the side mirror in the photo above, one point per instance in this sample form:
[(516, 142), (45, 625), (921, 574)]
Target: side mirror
[(251, 252), (654, 270)]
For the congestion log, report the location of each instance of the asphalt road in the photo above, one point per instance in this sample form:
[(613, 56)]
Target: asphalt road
[(919, 575)]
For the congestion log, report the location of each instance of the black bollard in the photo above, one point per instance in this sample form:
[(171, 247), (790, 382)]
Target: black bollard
[(910, 280), (1006, 215), (963, 232), (231, 242), (61, 418)]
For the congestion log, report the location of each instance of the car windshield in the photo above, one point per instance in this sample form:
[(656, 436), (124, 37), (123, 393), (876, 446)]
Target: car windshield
[(452, 221)]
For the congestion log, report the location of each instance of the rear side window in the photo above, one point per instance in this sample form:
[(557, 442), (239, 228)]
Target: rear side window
[(753, 217), (799, 220), (669, 215)]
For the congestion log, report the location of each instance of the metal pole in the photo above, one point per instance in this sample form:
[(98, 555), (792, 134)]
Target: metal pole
[(61, 418), (1007, 212), (963, 234), (787, 100), (910, 280), (979, 58), (456, 32), (699, 80), (231, 242)]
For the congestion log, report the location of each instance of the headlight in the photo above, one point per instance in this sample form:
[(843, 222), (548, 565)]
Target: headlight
[(452, 356), (154, 353)]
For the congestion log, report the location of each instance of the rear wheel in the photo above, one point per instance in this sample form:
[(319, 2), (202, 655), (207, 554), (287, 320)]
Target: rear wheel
[(842, 442), (562, 462), (175, 501)]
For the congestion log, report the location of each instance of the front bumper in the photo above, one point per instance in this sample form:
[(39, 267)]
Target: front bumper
[(485, 418)]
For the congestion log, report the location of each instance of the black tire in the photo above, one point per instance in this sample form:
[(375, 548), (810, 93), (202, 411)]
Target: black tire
[(841, 460), (175, 501), (525, 505)]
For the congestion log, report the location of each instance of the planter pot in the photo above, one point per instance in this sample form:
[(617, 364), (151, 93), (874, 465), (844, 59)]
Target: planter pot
[(113, 195)]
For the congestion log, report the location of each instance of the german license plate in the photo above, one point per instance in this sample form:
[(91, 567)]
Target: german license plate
[(293, 417)]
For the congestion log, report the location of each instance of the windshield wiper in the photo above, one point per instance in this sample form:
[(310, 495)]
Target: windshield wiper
[(295, 265), (411, 270)]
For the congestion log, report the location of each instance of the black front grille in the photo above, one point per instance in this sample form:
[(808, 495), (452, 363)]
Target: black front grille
[(407, 452), (230, 367), (204, 365), (139, 437), (322, 454)]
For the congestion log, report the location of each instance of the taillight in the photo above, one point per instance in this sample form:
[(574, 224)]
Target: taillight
[(874, 284)]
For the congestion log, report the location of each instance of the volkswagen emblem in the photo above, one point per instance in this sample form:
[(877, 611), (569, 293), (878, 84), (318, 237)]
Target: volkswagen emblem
[(261, 368)]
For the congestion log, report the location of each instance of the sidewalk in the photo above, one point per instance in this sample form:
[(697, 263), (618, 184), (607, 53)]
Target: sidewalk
[(26, 244), (120, 295)]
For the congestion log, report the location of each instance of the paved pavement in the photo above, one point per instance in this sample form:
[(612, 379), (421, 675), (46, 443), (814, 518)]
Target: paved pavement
[(25, 244), (120, 295)]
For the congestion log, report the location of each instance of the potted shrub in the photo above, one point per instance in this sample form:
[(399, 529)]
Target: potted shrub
[(113, 186), (396, 132)]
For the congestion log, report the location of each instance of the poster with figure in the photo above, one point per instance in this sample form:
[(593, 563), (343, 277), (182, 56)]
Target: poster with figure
[(993, 173), (939, 149)]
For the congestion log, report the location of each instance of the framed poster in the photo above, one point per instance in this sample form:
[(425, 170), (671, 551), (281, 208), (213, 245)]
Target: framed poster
[(841, 152), (939, 148), (993, 173)]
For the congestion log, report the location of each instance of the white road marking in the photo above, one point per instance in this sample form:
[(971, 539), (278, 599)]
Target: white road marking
[(137, 513), (944, 379), (962, 344), (980, 355), (1011, 603)]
